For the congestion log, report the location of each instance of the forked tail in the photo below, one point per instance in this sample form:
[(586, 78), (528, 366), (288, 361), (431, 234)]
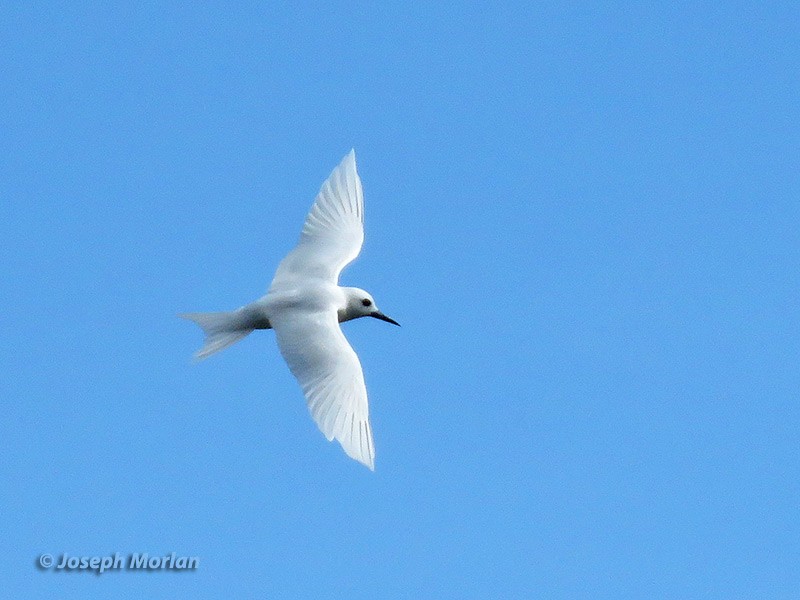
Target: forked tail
[(222, 329)]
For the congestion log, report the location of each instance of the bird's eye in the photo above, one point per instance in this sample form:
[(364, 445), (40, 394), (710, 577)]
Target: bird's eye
[(366, 302)]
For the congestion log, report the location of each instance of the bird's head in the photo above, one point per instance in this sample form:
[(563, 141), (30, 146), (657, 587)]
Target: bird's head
[(361, 304)]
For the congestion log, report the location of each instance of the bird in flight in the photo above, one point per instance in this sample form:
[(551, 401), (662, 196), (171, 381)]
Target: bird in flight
[(305, 304)]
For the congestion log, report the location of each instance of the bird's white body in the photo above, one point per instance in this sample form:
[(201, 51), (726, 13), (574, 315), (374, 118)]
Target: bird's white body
[(305, 304)]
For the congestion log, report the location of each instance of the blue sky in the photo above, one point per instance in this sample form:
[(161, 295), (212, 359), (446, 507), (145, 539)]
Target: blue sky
[(585, 215)]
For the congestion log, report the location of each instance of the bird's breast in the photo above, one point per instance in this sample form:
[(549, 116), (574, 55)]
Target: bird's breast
[(312, 298)]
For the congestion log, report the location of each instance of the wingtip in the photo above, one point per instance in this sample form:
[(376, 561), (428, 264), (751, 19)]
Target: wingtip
[(368, 462), (367, 459), (350, 157)]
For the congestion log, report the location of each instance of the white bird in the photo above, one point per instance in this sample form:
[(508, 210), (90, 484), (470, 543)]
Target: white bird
[(305, 304)]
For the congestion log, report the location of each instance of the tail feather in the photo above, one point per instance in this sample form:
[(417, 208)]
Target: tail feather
[(222, 329)]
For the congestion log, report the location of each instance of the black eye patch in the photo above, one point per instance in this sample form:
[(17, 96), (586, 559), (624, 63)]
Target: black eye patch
[(366, 302)]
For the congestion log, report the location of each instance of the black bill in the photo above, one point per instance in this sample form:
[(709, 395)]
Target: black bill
[(383, 317)]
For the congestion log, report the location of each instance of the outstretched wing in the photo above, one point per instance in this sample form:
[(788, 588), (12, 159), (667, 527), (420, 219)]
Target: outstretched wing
[(332, 233), (330, 374)]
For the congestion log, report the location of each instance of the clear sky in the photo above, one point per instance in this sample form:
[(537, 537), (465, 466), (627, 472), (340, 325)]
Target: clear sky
[(586, 217)]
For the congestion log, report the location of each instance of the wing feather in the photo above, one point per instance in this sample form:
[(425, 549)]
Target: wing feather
[(330, 375), (333, 231)]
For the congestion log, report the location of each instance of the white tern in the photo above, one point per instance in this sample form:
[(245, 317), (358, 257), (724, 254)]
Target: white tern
[(305, 304)]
